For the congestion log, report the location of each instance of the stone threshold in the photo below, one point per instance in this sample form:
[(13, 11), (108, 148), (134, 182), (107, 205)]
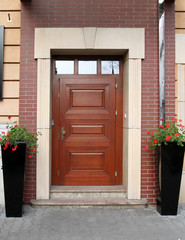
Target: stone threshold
[(103, 202)]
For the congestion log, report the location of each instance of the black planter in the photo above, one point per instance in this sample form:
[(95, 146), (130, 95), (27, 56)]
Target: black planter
[(172, 157), (13, 175)]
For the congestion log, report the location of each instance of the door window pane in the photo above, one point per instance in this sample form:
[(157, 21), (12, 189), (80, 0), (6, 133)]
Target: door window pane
[(87, 67), (109, 67), (64, 67)]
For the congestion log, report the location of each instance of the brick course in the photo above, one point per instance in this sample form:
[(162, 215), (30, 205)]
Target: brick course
[(101, 13)]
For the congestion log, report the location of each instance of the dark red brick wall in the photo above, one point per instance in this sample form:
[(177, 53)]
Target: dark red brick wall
[(100, 13)]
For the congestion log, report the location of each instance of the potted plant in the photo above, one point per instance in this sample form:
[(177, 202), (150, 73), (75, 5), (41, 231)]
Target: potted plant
[(169, 138), (14, 144)]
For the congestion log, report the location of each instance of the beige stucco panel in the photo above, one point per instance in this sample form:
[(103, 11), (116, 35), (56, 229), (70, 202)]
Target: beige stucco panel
[(47, 39), (14, 22), (5, 119), (179, 20), (179, 48), (10, 5), (10, 89), (12, 36), (11, 71), (180, 83), (9, 107), (12, 54)]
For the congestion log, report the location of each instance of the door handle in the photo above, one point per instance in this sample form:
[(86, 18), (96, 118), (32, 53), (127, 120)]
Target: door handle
[(63, 132)]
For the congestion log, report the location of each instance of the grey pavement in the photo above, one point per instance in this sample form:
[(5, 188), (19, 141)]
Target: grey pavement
[(96, 223)]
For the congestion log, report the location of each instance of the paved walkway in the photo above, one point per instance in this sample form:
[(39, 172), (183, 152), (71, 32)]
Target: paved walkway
[(54, 223)]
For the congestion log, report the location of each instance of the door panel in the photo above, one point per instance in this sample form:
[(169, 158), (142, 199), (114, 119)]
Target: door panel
[(87, 115)]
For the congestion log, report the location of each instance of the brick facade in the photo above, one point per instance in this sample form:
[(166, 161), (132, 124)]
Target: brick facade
[(101, 13)]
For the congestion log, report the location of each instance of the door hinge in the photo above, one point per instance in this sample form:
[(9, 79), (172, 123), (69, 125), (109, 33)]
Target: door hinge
[(116, 174), (116, 85), (52, 122), (116, 112)]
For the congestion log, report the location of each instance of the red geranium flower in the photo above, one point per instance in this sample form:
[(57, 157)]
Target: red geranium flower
[(8, 134), (34, 149), (30, 156), (177, 134), (148, 132), (9, 117), (162, 119), (155, 141), (180, 120), (6, 146), (14, 148), (167, 125), (174, 119), (168, 137), (146, 147), (15, 126), (152, 133), (161, 126)]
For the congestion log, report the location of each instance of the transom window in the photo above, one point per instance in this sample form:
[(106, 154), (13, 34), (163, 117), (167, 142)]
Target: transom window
[(83, 66)]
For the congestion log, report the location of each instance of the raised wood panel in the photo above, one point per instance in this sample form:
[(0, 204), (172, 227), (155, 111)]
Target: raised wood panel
[(9, 107), (179, 5), (86, 161), (83, 98), (180, 20), (87, 129), (10, 5), (176, 89), (12, 37), (12, 54), (11, 71), (15, 19), (10, 89)]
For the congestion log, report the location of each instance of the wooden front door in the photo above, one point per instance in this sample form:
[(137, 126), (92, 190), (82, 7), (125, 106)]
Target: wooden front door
[(84, 131)]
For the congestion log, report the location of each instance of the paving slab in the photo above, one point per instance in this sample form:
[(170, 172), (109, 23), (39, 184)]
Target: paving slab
[(92, 223)]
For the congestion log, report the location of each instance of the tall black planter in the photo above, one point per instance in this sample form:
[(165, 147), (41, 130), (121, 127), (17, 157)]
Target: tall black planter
[(170, 178), (13, 175)]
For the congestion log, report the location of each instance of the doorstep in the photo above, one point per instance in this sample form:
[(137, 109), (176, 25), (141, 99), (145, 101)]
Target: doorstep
[(89, 196)]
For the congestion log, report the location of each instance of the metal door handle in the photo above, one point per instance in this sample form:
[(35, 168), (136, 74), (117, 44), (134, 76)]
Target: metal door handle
[(63, 132)]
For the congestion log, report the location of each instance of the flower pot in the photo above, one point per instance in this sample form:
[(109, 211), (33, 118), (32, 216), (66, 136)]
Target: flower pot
[(13, 175), (171, 165)]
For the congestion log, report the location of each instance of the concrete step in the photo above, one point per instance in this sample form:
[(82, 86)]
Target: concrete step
[(89, 196), (85, 192)]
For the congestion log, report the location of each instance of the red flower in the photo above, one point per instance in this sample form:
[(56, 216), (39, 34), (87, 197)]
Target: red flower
[(7, 137), (148, 132), (8, 134), (174, 119), (15, 126), (177, 134), (155, 141), (3, 132), (34, 149), (152, 133), (30, 156), (5, 146), (146, 147), (180, 120), (168, 137), (0, 139), (161, 126), (162, 119), (14, 148), (167, 125), (9, 117)]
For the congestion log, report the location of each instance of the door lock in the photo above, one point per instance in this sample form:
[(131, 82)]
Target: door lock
[(63, 132)]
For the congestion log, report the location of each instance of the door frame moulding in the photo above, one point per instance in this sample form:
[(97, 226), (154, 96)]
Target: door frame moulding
[(129, 42)]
